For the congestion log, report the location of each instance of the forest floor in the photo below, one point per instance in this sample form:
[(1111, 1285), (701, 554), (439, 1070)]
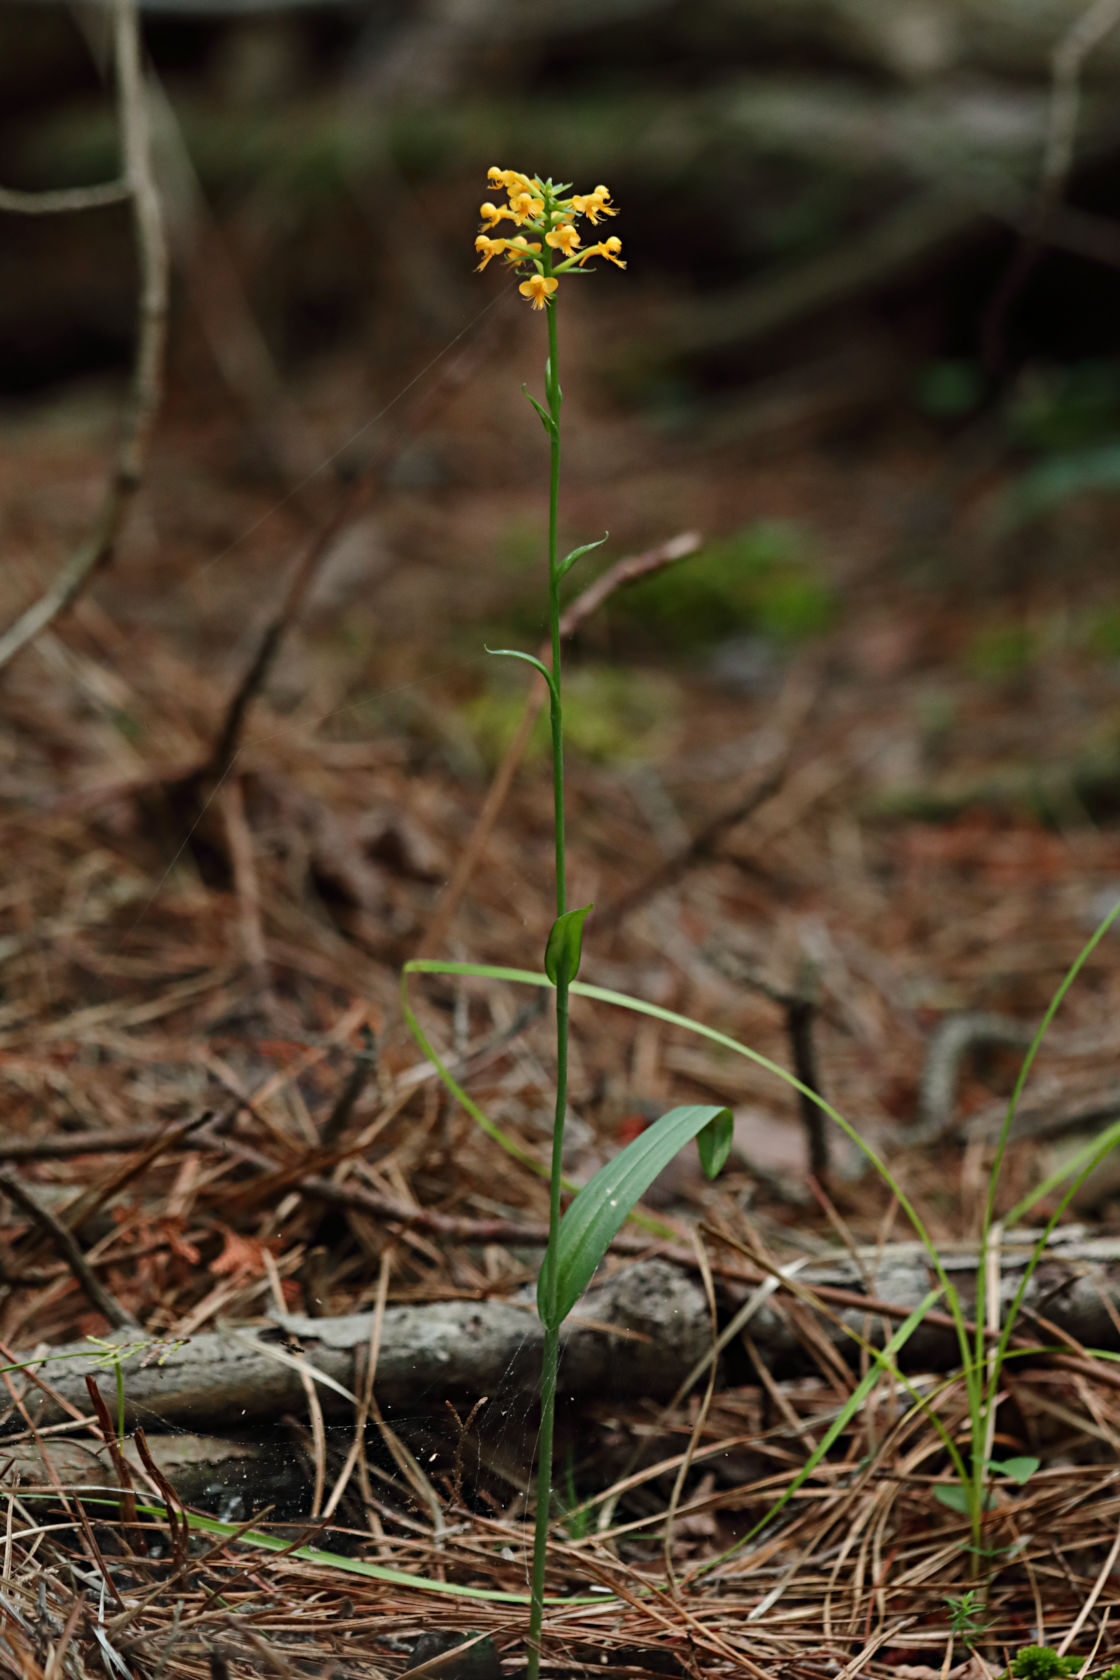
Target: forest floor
[(912, 802)]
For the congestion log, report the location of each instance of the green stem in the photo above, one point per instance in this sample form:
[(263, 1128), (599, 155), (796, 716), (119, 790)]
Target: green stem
[(550, 1352), (550, 1367), (555, 398)]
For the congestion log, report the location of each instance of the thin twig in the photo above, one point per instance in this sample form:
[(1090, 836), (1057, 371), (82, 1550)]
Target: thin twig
[(96, 1293), (63, 200), (61, 1148), (147, 371), (1067, 60)]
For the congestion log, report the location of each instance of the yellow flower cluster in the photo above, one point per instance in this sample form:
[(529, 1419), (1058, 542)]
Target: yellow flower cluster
[(541, 208)]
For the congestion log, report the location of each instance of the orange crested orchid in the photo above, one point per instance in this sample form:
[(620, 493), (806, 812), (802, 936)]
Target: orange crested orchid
[(542, 207)]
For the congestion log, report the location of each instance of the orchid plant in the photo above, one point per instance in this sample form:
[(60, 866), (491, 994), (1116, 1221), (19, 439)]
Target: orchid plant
[(548, 246)]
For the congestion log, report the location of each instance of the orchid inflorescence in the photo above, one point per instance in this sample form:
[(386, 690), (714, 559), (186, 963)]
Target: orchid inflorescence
[(540, 207)]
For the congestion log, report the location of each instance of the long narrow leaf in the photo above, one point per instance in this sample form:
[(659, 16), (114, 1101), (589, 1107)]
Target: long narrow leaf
[(309, 1554), (639, 1006)]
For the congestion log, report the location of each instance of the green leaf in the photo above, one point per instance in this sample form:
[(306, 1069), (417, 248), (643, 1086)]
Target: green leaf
[(601, 1207), (569, 560), (546, 419), (565, 946), (953, 1495), (1020, 1470), (529, 659), (714, 1143)]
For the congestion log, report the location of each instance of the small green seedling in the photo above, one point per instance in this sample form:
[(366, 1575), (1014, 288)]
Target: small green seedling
[(967, 1619)]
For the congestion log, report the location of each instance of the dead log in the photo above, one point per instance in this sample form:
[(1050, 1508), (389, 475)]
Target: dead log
[(230, 1478), (637, 1335)]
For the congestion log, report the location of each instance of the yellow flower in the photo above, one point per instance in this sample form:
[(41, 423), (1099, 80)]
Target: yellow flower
[(488, 248), (491, 215), (609, 248), (563, 239), (511, 178), (519, 249), (523, 207), (593, 205), (538, 288)]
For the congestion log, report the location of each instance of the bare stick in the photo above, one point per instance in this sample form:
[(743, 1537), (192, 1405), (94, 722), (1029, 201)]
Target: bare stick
[(623, 572), (147, 371), (801, 1004), (60, 1147), (119, 1317), (65, 199), (1067, 60)]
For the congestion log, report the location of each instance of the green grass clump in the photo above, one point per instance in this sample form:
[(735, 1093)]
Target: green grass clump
[(611, 716), (762, 579)]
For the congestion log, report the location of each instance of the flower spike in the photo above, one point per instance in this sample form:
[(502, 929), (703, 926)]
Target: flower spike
[(543, 208)]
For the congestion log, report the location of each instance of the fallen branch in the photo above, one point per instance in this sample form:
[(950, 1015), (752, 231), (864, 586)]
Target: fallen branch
[(641, 1334), (652, 1312), (147, 370), (63, 1240)]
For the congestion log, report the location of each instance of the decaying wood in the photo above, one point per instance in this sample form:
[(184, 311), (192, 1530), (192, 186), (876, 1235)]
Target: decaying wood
[(97, 552), (637, 1335), (205, 1470)]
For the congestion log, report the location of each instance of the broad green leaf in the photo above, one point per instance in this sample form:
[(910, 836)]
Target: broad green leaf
[(1019, 1469), (569, 560), (601, 1207), (565, 946), (714, 1143), (547, 421), (954, 1495)]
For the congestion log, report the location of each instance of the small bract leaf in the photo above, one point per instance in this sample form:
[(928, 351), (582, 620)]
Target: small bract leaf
[(565, 946), (953, 1495), (598, 1211), (547, 421), (1019, 1469), (528, 658), (569, 560), (714, 1143)]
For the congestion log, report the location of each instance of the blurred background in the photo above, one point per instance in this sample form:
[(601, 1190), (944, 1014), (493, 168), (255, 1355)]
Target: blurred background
[(826, 202), (866, 349)]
